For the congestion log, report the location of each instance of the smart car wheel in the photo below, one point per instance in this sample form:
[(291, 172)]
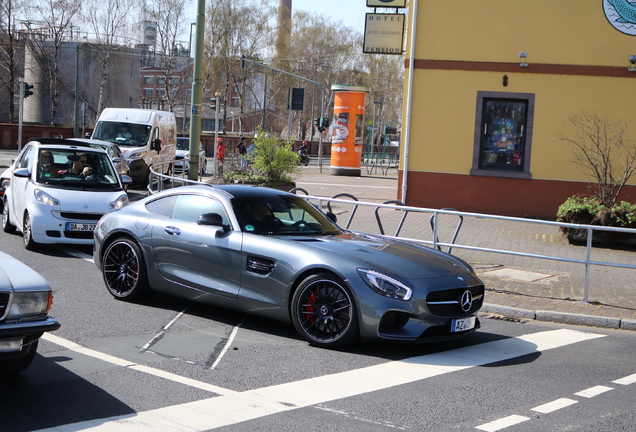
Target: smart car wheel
[(6, 224), (124, 270), (27, 234), (324, 313)]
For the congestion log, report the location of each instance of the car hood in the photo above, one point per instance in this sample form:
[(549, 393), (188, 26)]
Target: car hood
[(17, 276), (390, 256), (182, 153)]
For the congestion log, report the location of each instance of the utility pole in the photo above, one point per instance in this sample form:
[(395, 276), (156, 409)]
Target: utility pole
[(197, 90)]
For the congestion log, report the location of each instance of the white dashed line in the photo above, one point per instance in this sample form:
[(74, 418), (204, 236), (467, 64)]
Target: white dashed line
[(554, 405), (593, 391), (630, 379), (502, 423)]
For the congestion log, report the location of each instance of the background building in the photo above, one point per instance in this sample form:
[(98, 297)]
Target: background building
[(495, 84)]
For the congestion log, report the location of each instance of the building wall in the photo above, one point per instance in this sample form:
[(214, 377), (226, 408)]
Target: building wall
[(577, 62)]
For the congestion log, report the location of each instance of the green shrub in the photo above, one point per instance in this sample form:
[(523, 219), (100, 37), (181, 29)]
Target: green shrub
[(590, 211), (273, 158)]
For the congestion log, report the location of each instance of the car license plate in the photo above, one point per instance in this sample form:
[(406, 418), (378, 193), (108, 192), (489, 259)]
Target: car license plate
[(463, 324), (72, 226)]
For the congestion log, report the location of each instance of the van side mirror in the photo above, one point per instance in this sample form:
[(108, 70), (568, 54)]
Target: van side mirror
[(156, 145)]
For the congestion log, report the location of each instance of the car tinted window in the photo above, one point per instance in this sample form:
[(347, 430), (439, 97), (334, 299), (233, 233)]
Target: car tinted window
[(162, 206), (188, 208)]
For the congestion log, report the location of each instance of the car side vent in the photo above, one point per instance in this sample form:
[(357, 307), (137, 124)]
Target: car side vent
[(260, 266)]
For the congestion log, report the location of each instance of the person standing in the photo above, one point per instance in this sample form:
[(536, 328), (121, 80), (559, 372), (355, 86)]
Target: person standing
[(242, 151), (220, 156)]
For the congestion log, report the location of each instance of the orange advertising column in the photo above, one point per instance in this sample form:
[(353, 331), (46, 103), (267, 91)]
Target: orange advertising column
[(348, 127)]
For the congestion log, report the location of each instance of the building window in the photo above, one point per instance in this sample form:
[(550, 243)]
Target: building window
[(149, 80), (503, 134), (147, 92)]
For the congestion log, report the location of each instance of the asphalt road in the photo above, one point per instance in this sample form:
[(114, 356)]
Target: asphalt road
[(166, 365)]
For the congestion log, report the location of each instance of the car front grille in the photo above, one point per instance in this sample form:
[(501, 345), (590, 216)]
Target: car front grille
[(4, 302), (81, 216), (448, 302)]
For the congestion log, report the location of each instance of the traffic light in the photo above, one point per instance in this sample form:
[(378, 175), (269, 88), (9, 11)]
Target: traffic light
[(243, 61), (213, 103), (325, 122), (317, 122), (27, 89)]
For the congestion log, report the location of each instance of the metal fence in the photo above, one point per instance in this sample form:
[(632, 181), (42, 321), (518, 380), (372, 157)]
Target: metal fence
[(516, 243)]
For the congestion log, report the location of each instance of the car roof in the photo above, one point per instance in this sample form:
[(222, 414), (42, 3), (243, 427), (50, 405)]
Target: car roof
[(56, 143), (232, 190), (93, 142)]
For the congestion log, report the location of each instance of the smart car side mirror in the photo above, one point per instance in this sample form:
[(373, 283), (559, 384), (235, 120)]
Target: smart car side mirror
[(22, 172), (212, 219), (332, 217)]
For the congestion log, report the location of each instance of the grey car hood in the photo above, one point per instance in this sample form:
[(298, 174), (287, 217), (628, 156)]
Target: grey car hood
[(390, 256)]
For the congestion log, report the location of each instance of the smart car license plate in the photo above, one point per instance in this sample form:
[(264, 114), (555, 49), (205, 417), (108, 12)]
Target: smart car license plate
[(463, 324), (72, 226)]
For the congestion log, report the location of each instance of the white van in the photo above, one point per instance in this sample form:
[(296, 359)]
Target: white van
[(146, 137)]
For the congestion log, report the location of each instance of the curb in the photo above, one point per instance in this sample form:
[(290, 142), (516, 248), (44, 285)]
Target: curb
[(559, 317)]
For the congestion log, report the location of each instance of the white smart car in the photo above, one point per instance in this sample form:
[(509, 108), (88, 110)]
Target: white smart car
[(57, 190)]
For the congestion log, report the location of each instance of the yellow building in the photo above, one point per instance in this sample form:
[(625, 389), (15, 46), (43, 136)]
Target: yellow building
[(495, 83)]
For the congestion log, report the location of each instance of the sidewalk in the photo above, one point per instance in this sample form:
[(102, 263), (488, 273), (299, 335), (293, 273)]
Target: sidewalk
[(518, 288)]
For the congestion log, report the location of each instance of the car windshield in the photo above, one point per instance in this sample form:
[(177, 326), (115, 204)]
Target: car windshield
[(76, 168), (281, 215), (183, 144), (123, 134)]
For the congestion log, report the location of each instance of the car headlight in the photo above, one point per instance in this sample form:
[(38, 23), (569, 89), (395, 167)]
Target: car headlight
[(45, 198), (119, 203), (138, 155), (30, 304), (6, 183), (385, 285)]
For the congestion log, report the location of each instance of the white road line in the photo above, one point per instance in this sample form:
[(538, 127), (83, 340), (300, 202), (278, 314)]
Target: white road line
[(593, 391), (502, 423), (230, 409), (630, 379), (163, 330), (131, 365), (74, 252), (554, 405), (227, 344)]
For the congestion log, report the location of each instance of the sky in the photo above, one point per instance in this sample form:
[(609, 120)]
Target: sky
[(350, 12)]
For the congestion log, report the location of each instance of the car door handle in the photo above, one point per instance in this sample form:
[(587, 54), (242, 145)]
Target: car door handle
[(173, 230)]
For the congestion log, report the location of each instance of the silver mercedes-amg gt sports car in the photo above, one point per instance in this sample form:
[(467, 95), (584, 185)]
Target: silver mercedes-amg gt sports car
[(271, 253)]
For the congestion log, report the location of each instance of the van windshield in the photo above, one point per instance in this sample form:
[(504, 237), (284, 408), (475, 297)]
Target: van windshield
[(123, 134)]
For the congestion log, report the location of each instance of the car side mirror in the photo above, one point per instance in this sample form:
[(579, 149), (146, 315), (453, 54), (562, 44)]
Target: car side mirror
[(22, 172), (332, 217), (212, 219)]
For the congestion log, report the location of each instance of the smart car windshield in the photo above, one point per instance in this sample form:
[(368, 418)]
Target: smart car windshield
[(75, 168), (281, 215)]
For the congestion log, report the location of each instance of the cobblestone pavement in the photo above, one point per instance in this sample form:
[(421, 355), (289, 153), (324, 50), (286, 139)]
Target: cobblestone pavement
[(518, 287)]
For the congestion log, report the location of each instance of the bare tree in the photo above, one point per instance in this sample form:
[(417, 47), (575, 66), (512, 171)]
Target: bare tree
[(110, 25), (603, 153), (10, 48), (170, 18), (236, 28), (50, 29)]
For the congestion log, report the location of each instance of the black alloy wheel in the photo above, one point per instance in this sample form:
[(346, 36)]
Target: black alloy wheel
[(124, 270), (324, 313)]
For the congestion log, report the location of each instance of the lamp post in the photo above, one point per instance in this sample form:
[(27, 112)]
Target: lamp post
[(217, 105), (374, 126), (185, 108)]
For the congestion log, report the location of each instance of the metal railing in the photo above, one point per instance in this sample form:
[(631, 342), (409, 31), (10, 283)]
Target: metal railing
[(161, 181)]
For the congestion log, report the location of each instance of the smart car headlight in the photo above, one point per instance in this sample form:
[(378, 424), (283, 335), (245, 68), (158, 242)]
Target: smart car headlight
[(385, 285), (119, 203), (29, 304), (45, 198)]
